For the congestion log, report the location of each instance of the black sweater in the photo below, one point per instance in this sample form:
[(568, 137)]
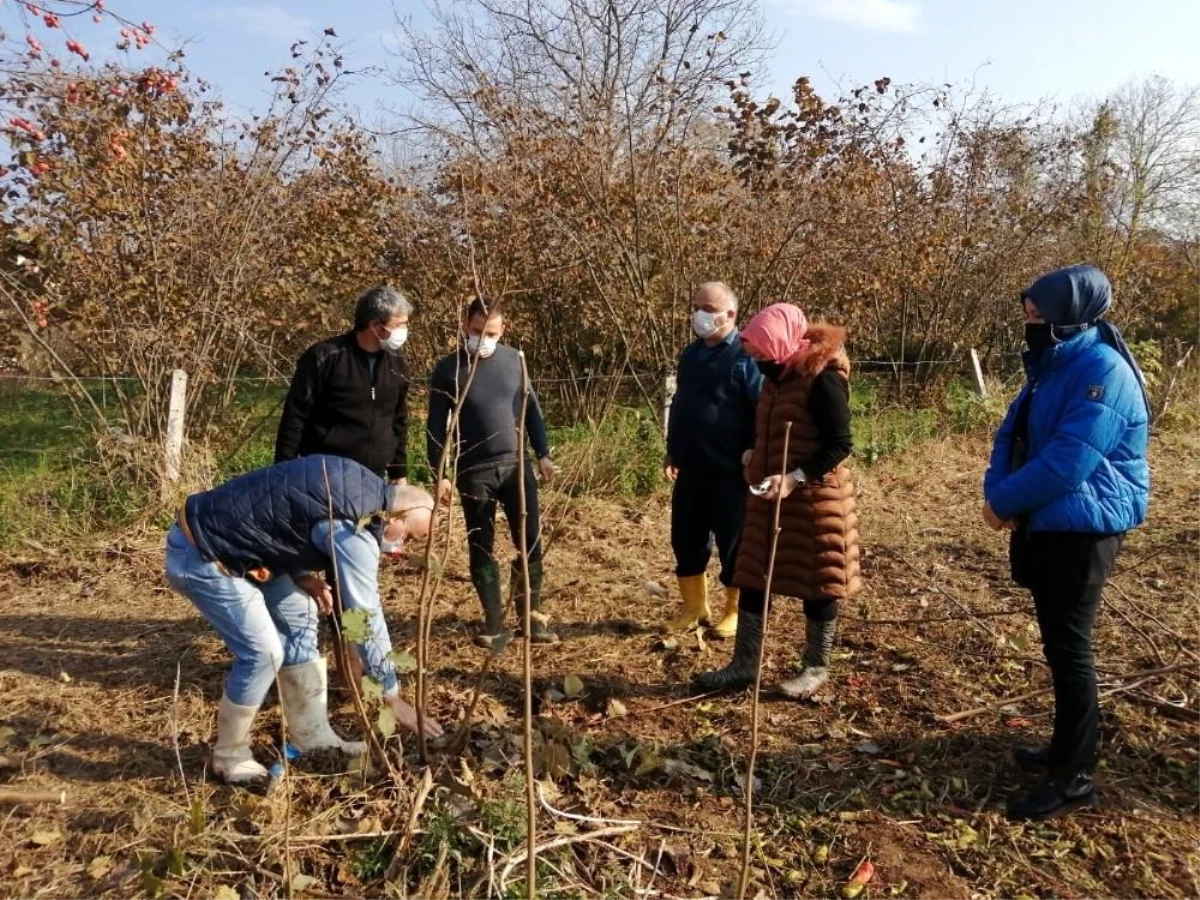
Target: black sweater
[(344, 403), (829, 403), (487, 425)]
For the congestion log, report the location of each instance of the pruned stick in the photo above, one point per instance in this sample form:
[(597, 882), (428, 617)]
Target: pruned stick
[(949, 718), (527, 673), (17, 798), (744, 876)]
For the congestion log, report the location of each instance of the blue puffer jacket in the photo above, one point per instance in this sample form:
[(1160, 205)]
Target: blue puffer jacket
[(1086, 466), (266, 517)]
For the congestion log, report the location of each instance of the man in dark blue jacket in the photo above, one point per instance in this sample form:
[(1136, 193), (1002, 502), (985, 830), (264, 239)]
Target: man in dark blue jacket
[(246, 554), (1069, 476), (710, 427)]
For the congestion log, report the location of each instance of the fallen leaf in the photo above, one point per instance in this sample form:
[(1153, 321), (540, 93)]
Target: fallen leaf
[(100, 866), (6, 735), (65, 678), (615, 708), (554, 695), (225, 892), (869, 747), (679, 767), (862, 875), (655, 589), (46, 838), (821, 856), (301, 882), (21, 871), (572, 685), (669, 643), (740, 782)]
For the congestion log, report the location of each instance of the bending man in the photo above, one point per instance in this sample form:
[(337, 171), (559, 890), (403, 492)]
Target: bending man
[(247, 554)]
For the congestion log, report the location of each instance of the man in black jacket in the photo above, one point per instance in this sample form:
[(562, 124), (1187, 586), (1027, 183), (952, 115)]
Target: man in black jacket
[(349, 396), (484, 453)]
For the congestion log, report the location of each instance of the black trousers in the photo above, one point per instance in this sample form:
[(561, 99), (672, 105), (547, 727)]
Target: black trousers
[(481, 490), (705, 508), (1066, 573)]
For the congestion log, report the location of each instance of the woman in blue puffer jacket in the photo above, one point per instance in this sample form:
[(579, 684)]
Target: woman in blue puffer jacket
[(1068, 476)]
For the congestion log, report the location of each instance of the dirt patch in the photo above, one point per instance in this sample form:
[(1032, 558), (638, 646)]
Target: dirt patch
[(110, 684)]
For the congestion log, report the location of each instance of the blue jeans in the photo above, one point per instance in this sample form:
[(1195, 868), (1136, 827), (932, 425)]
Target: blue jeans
[(357, 555), (264, 626)]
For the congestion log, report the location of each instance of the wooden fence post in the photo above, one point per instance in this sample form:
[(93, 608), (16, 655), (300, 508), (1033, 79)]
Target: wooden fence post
[(668, 396), (977, 371), (173, 451)]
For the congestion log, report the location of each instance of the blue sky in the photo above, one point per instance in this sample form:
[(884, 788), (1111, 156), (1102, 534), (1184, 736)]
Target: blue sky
[(1024, 50)]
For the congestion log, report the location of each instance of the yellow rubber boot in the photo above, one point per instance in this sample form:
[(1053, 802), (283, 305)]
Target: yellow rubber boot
[(727, 627), (694, 590)]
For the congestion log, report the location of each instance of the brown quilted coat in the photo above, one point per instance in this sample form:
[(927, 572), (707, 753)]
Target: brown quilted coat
[(817, 554)]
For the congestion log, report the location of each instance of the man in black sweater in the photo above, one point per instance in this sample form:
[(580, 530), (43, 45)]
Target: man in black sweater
[(349, 396), (483, 454)]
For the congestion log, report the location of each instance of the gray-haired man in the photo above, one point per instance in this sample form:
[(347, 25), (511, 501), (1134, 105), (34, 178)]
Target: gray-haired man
[(349, 396)]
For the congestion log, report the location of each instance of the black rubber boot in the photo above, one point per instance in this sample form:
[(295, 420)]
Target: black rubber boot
[(740, 671), (1055, 796), (486, 579), (541, 633), (818, 646)]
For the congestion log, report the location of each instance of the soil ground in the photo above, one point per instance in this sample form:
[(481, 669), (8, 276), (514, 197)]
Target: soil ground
[(110, 681)]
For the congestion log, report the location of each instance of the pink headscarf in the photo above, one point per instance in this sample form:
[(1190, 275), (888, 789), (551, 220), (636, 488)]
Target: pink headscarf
[(778, 333)]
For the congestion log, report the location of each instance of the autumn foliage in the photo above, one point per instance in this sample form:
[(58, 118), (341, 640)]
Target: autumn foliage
[(595, 168)]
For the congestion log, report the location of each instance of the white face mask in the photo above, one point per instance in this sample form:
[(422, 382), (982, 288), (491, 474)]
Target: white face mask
[(396, 339), (485, 346), (704, 323)]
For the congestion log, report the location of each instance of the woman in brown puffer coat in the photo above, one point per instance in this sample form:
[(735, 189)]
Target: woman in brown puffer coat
[(817, 557)]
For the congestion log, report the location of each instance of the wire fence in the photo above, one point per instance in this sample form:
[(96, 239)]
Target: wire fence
[(40, 415)]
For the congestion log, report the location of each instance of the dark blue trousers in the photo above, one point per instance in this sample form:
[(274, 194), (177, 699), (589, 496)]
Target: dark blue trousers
[(707, 509)]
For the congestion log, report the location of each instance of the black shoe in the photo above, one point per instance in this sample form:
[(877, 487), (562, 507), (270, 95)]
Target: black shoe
[(1054, 797), (1035, 760)]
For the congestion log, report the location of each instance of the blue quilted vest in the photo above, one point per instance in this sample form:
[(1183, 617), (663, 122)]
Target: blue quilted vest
[(266, 517)]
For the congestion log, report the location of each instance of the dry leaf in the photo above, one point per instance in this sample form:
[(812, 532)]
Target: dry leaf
[(100, 866), (46, 838), (572, 686), (225, 892)]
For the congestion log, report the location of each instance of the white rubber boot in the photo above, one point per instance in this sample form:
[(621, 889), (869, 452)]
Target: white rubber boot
[(303, 693), (231, 756)]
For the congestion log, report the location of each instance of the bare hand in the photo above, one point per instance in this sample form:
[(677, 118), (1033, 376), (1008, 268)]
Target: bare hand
[(994, 522), (670, 471), (547, 469), (406, 716), (779, 486), (317, 588), (445, 492)]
